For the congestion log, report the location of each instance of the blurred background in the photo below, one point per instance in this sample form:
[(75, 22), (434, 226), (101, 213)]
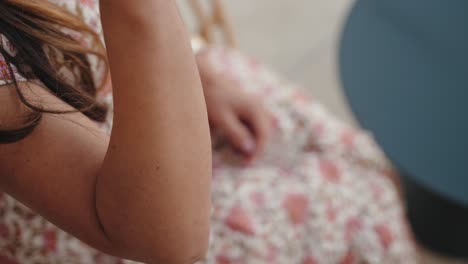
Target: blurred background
[(299, 40)]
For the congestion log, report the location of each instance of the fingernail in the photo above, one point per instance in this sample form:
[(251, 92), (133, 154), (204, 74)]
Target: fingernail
[(249, 146)]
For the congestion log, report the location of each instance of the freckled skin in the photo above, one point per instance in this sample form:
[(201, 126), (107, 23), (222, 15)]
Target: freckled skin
[(118, 193)]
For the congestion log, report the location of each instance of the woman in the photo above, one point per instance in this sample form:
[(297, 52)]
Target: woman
[(293, 186)]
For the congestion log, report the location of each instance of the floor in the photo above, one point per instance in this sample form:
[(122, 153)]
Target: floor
[(299, 39)]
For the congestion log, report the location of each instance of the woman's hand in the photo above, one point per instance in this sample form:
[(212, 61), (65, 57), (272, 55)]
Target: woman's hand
[(240, 116)]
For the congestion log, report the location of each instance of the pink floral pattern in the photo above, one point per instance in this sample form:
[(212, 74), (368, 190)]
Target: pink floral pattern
[(321, 193)]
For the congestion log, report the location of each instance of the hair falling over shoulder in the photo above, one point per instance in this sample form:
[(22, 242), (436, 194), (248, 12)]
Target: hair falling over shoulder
[(48, 39)]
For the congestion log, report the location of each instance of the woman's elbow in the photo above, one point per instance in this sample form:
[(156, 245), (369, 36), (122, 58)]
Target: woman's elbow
[(168, 241), (152, 228), (188, 249), (180, 251), (184, 254)]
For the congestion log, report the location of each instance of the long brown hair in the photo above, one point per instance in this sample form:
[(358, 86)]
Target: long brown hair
[(44, 38)]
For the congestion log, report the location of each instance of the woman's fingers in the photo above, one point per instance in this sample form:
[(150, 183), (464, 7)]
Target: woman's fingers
[(239, 135), (259, 121)]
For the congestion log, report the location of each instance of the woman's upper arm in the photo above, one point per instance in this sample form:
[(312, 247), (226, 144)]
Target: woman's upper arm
[(53, 170)]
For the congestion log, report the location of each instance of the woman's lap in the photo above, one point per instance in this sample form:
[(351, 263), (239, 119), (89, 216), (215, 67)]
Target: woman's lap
[(322, 209), (321, 192)]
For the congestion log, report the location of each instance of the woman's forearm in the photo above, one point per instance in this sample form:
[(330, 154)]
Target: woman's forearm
[(153, 192)]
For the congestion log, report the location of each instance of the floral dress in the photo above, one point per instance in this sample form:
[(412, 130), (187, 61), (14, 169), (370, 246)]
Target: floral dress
[(321, 193)]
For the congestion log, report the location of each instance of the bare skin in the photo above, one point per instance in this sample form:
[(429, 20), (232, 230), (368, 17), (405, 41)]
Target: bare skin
[(240, 116), (144, 192)]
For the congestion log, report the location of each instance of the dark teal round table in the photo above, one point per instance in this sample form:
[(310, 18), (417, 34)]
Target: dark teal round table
[(404, 68)]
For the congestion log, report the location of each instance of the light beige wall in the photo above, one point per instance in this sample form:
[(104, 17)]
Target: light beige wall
[(299, 39)]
